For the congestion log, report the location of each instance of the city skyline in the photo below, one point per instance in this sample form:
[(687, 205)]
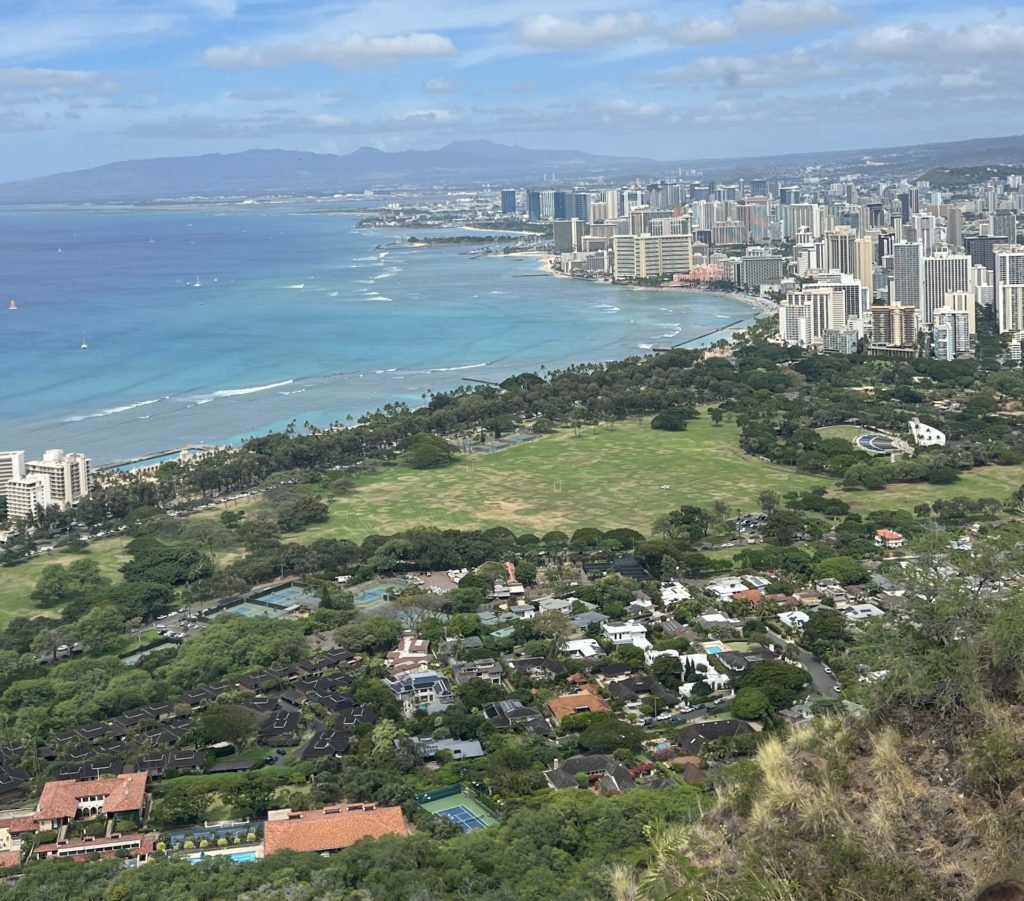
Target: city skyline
[(663, 80)]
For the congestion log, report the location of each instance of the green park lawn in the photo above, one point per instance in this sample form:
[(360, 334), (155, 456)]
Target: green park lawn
[(605, 478), (17, 582)]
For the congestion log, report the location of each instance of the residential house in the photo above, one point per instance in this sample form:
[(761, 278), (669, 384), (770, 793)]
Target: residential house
[(487, 669), (585, 701), (858, 612), (428, 691), (583, 621), (582, 649), (794, 619), (326, 743), (691, 739), (635, 690), (889, 539), (674, 593), (612, 776), (65, 800), (537, 669), (717, 622), (329, 829), (512, 715), (281, 728), (629, 632), (412, 653), (555, 605), (459, 750)]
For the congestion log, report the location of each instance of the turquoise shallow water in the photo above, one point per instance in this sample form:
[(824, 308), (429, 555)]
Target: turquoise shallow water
[(298, 315)]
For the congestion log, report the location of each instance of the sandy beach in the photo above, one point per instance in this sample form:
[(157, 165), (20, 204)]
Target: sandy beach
[(762, 304)]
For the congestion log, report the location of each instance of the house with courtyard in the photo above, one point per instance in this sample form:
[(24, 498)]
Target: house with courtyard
[(426, 691), (65, 800)]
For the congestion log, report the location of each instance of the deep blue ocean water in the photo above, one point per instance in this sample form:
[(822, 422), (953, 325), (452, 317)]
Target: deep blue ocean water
[(298, 315)]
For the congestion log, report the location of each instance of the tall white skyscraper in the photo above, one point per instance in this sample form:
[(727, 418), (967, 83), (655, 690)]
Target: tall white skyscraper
[(907, 275), (67, 475), (943, 273), (1008, 291), (805, 314)]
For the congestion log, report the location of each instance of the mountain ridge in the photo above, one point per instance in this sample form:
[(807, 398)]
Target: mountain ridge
[(463, 162)]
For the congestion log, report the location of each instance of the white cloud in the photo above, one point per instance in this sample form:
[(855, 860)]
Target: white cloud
[(704, 31), (791, 68), (787, 15), (553, 32), (354, 51), (261, 95), (439, 86), (424, 118)]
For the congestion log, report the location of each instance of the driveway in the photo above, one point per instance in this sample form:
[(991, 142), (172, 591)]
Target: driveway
[(823, 683)]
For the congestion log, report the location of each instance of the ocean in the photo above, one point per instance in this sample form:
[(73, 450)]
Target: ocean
[(209, 325)]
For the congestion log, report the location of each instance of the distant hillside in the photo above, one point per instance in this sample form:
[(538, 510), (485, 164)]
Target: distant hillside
[(262, 172), (295, 172), (948, 177)]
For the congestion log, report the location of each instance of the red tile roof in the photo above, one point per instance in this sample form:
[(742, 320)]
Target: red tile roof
[(580, 702), (121, 794), (18, 825), (330, 828), (9, 859), (888, 534)]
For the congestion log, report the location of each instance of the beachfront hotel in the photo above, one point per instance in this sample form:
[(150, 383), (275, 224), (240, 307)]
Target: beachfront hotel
[(57, 479)]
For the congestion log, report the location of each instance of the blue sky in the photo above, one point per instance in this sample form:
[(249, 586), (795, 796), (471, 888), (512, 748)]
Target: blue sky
[(83, 82)]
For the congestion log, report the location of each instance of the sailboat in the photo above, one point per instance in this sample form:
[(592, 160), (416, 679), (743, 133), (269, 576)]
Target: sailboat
[(84, 345), (198, 283), (13, 305)]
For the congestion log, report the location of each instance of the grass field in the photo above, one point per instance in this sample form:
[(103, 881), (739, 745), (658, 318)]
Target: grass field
[(605, 478), (17, 582)]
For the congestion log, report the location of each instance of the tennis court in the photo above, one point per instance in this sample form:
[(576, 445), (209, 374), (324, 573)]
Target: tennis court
[(453, 803)]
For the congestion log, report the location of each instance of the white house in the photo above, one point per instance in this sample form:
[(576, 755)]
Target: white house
[(863, 611), (724, 587), (674, 593), (428, 691), (795, 619), (581, 648), (629, 632), (889, 538)]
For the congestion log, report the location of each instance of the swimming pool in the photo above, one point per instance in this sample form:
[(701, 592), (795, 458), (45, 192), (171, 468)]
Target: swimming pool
[(237, 857), (713, 649)]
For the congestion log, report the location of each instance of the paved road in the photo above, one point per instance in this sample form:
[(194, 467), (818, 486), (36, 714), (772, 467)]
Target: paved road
[(823, 683)]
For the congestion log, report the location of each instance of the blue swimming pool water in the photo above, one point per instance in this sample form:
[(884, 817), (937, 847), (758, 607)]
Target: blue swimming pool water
[(713, 649)]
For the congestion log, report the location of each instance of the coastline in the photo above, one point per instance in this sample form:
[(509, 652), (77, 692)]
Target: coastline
[(765, 306), (407, 327)]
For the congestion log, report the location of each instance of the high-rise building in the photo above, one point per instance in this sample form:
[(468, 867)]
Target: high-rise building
[(954, 227), (1008, 288), (957, 336), (805, 314), (12, 466), (839, 341), (907, 275), (562, 205), (943, 342), (547, 205), (856, 296), (980, 249), (924, 231), (26, 495), (962, 301), (840, 250), (508, 202), (567, 235), (533, 206), (943, 273), (652, 256), (893, 326), (67, 476), (1004, 222), (581, 206), (864, 262), (789, 195), (754, 270)]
